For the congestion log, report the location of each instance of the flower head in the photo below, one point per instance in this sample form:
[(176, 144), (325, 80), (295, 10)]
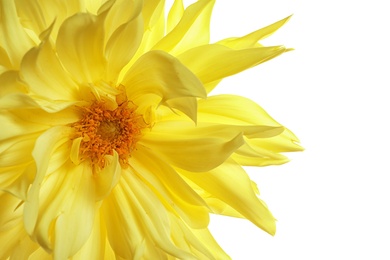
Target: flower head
[(111, 146)]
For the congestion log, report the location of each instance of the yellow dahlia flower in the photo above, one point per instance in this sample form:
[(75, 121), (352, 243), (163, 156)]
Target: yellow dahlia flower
[(110, 146)]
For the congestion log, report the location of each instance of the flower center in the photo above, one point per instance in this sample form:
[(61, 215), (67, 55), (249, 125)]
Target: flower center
[(103, 131)]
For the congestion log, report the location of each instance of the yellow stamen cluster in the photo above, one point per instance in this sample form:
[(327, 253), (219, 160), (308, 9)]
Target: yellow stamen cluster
[(104, 131)]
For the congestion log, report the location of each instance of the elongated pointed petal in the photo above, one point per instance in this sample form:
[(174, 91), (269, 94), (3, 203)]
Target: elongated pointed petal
[(14, 40), (166, 182), (251, 40), (191, 31), (230, 183), (219, 61)]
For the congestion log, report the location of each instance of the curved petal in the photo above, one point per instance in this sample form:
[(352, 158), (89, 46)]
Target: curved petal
[(161, 74), (14, 40), (138, 226), (80, 47), (45, 76), (58, 197), (231, 109), (230, 183), (219, 61), (191, 31), (5, 63), (170, 187), (37, 15), (193, 148), (125, 31), (175, 14), (251, 40), (15, 242), (153, 14)]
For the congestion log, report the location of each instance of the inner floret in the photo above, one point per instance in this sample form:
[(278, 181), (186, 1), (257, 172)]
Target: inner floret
[(102, 131)]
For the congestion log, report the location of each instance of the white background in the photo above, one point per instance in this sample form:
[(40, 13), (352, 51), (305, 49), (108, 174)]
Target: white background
[(332, 200)]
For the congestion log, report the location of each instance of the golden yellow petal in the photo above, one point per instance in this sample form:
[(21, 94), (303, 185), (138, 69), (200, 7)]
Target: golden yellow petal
[(212, 67), (230, 183), (191, 31)]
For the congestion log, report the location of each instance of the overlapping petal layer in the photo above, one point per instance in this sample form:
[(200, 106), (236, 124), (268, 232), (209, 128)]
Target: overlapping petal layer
[(79, 76)]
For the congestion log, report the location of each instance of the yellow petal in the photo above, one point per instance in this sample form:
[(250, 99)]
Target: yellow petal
[(139, 224), (38, 15), (108, 177), (191, 31), (45, 76), (80, 47), (185, 238), (167, 184), (5, 63), (212, 67), (14, 39), (251, 40), (45, 145), (15, 242), (64, 196), (230, 183), (161, 74), (205, 236), (95, 246), (125, 31), (175, 14), (230, 109), (193, 148)]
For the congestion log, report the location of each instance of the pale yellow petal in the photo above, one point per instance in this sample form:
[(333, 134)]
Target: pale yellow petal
[(45, 145), (138, 226), (95, 246), (155, 220), (45, 76), (251, 40), (193, 148), (230, 183), (5, 63), (208, 240), (14, 39), (161, 74), (124, 31), (10, 83), (219, 61), (185, 238), (175, 193), (191, 31), (80, 47), (175, 14), (108, 177), (64, 196), (37, 15)]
